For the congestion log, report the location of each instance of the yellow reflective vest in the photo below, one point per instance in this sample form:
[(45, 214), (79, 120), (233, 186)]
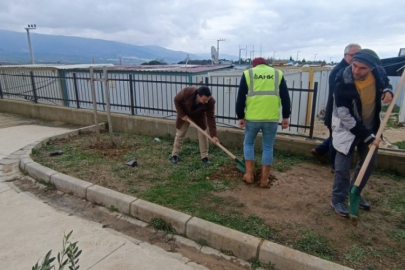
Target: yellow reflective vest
[(263, 98)]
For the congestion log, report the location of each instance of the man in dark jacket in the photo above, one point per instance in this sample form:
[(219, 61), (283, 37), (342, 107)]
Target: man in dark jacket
[(198, 105), (355, 121), (327, 146)]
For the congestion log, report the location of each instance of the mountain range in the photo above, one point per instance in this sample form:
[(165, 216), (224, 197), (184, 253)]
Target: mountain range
[(67, 49)]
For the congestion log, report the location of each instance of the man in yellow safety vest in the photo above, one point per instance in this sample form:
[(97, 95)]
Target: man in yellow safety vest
[(262, 90)]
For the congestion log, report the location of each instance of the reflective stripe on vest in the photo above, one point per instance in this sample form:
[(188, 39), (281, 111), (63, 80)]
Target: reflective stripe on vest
[(258, 93), (262, 102)]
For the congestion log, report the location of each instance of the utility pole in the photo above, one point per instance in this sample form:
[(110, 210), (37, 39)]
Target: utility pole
[(30, 27), (246, 52), (218, 40), (297, 55), (274, 55), (315, 57), (260, 50), (240, 49), (253, 51)]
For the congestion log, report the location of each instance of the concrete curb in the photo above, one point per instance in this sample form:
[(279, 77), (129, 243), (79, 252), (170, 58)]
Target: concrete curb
[(71, 185), (147, 211), (241, 245), (110, 198)]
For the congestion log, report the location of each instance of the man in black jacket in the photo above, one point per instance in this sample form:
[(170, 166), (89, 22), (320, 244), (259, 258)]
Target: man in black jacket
[(327, 146), (355, 121)]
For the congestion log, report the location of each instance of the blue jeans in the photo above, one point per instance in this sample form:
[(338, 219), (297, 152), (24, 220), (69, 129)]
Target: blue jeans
[(269, 130)]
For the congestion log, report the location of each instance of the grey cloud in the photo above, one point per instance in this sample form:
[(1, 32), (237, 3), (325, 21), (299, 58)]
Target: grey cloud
[(283, 26)]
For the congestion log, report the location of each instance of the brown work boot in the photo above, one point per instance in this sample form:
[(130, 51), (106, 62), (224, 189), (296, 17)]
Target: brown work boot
[(264, 180), (249, 176)]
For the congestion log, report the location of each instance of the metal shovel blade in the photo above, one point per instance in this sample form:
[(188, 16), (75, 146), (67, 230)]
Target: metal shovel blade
[(354, 199)]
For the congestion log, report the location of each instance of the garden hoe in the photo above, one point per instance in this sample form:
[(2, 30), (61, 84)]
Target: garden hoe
[(354, 196), (240, 165)]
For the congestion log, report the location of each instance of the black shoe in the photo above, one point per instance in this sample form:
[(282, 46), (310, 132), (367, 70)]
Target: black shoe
[(206, 161), (175, 159), (363, 204), (340, 209), (316, 154)]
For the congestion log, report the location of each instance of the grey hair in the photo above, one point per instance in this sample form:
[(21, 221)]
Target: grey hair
[(351, 45)]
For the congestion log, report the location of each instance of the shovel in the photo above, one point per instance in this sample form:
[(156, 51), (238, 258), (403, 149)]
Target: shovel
[(354, 196), (240, 165)]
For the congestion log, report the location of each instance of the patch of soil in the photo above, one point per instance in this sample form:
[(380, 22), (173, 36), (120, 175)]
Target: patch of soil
[(299, 199), (110, 151), (229, 172)]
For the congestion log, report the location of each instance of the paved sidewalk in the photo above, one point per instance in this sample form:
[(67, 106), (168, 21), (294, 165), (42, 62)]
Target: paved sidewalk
[(29, 228)]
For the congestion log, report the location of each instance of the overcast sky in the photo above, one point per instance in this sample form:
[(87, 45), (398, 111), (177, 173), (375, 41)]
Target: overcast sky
[(280, 28)]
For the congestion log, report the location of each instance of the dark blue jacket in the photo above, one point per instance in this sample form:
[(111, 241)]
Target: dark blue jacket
[(332, 82)]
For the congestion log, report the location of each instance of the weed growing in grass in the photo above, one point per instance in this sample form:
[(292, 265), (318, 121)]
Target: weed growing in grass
[(35, 152), (252, 225), (396, 201), (389, 252), (257, 264), (400, 144), (283, 160), (202, 242), (393, 121), (356, 254), (112, 208), (160, 224), (315, 244), (398, 235), (394, 110), (392, 174)]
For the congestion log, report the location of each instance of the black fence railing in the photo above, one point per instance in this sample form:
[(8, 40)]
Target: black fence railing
[(145, 94)]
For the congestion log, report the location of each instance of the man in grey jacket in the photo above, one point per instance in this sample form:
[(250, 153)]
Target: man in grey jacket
[(359, 90)]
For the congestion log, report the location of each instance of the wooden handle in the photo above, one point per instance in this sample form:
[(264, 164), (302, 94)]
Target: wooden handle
[(209, 137), (380, 131)]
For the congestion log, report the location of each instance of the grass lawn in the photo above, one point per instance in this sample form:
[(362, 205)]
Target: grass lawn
[(294, 212)]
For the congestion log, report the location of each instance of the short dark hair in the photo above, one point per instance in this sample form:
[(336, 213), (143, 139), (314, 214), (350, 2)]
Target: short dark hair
[(204, 91)]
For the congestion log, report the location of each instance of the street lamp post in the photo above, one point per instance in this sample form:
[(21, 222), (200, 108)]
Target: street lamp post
[(315, 57), (30, 27), (274, 55), (218, 40), (240, 49)]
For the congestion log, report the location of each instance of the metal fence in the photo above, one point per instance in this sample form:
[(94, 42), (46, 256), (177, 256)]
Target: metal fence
[(144, 93)]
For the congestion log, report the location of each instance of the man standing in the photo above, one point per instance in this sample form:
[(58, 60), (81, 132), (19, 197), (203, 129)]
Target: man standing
[(261, 90), (327, 146), (356, 118), (199, 106)]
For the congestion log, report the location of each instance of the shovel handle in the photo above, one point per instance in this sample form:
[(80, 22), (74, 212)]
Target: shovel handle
[(380, 130), (209, 137)]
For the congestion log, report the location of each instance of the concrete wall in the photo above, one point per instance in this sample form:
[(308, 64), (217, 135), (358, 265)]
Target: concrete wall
[(229, 137)]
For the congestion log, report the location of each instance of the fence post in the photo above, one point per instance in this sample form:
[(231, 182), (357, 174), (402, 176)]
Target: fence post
[(131, 92), (1, 90), (63, 87), (76, 91), (206, 81), (93, 97), (34, 89), (311, 130)]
